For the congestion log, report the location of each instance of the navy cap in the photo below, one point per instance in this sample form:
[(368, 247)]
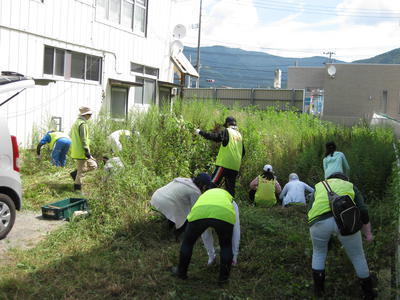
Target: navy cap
[(203, 178), (230, 121)]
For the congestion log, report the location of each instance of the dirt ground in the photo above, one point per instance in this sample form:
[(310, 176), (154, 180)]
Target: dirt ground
[(29, 229)]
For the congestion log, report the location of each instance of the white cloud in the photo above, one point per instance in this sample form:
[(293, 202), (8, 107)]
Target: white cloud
[(237, 24)]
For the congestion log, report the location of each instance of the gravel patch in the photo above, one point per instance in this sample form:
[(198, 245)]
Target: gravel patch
[(29, 229)]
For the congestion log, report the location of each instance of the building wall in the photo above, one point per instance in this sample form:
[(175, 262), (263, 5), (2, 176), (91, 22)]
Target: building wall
[(356, 92), (304, 77), (26, 26)]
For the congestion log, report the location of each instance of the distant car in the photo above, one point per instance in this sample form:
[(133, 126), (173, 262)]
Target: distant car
[(10, 181)]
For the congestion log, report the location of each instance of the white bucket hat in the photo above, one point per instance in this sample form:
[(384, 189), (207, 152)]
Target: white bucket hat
[(267, 168)]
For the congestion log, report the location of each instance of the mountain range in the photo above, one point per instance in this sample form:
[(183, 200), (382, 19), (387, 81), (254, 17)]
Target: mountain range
[(233, 67)]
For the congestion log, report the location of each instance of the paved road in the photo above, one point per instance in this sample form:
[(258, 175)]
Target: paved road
[(29, 229)]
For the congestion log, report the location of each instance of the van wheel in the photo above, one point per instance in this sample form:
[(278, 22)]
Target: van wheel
[(7, 215)]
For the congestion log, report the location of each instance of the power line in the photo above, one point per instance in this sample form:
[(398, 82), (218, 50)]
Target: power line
[(273, 5)]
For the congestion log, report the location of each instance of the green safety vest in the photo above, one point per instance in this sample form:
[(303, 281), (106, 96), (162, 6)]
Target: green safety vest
[(213, 204), (54, 136), (265, 194), (321, 200), (230, 156), (77, 151)]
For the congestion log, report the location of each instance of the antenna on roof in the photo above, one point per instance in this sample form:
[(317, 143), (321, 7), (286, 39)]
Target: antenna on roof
[(331, 71), (179, 32)]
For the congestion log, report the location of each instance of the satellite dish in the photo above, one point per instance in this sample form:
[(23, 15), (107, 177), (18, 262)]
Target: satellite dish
[(176, 47), (331, 71), (179, 32)]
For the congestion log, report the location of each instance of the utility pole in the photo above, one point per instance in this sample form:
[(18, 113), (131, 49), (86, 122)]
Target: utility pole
[(198, 46), (330, 53)]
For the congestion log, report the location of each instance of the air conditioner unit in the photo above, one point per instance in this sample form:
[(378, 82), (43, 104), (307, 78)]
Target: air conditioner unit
[(174, 91)]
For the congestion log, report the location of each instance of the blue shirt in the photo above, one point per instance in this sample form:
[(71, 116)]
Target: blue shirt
[(46, 139), (293, 192)]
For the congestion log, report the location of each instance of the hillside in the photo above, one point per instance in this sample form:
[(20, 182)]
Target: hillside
[(391, 57), (235, 67)]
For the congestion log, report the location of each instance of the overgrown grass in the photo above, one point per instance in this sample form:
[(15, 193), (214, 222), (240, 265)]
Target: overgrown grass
[(123, 249)]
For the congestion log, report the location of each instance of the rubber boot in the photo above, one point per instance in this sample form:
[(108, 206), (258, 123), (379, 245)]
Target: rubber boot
[(367, 288), (319, 282), (73, 174), (175, 272), (77, 187)]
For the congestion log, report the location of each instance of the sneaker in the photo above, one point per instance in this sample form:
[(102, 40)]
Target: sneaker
[(175, 272), (211, 260)]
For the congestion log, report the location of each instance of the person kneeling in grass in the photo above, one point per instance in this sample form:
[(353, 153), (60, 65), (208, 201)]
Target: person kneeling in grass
[(293, 192), (213, 209), (265, 188)]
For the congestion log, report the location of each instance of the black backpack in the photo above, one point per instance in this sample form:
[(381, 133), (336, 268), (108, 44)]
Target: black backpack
[(345, 211)]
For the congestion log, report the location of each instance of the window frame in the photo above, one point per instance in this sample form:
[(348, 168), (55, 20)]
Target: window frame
[(143, 87), (106, 20), (126, 90), (67, 70), (144, 74)]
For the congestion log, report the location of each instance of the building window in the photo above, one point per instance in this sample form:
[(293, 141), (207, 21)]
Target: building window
[(131, 14), (65, 63), (119, 102), (144, 70), (384, 101), (56, 123), (145, 94)]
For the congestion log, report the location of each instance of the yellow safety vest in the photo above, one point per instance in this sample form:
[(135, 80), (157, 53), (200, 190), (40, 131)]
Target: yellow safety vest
[(54, 136), (213, 204), (230, 156), (265, 194), (77, 151), (321, 201)]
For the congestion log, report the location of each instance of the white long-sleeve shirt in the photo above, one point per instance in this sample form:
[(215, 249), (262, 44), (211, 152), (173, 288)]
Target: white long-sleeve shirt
[(294, 192), (114, 139)]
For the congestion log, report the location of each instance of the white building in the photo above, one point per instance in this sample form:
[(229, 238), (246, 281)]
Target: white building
[(106, 54)]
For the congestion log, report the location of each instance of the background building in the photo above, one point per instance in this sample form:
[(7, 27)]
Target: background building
[(351, 92)]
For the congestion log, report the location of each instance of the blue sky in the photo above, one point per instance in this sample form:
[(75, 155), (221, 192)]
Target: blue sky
[(352, 29)]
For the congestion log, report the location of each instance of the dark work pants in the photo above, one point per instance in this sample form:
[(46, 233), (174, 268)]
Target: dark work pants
[(194, 230), (229, 176), (252, 195)]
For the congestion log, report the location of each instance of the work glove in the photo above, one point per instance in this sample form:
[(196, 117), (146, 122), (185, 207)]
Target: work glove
[(87, 153), (197, 131)]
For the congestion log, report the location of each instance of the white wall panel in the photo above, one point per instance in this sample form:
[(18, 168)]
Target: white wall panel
[(5, 12), (71, 24)]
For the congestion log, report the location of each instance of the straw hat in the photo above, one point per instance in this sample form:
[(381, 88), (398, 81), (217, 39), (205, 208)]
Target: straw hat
[(85, 111)]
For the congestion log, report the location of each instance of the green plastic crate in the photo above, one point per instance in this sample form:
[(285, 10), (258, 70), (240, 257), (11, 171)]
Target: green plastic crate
[(63, 209)]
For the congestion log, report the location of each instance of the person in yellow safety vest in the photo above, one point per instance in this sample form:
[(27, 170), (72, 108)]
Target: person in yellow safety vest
[(229, 156), (213, 209), (323, 226), (265, 188), (59, 143), (80, 150)]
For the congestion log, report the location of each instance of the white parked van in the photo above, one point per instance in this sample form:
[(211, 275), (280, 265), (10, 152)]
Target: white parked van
[(10, 181)]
